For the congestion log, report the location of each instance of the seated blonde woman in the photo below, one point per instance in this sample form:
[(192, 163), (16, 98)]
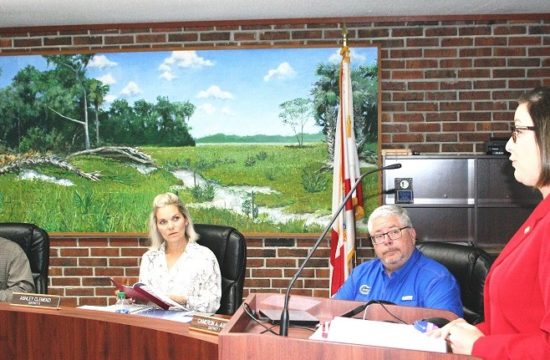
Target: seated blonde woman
[(175, 265)]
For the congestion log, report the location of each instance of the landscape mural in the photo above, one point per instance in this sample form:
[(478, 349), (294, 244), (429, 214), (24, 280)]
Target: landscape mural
[(243, 136)]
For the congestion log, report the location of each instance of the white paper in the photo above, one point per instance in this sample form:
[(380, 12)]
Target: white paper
[(378, 333)]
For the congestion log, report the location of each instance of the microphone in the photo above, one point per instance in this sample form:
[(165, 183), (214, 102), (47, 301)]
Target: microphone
[(285, 320)]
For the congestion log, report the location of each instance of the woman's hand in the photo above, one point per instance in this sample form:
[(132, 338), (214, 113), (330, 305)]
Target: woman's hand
[(460, 335), (180, 299)]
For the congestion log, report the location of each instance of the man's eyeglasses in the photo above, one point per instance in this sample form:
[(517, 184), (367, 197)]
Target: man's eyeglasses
[(516, 130), (394, 234)]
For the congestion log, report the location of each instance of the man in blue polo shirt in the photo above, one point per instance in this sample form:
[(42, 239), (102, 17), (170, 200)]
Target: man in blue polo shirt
[(400, 274)]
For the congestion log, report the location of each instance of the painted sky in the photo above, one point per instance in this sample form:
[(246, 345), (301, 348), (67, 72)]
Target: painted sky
[(236, 92)]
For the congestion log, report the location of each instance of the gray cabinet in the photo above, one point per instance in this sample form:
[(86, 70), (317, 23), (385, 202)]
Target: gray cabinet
[(459, 198)]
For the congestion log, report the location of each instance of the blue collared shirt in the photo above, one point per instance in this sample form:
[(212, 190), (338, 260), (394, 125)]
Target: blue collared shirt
[(421, 282)]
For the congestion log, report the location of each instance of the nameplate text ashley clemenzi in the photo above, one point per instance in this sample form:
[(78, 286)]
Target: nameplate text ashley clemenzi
[(35, 300)]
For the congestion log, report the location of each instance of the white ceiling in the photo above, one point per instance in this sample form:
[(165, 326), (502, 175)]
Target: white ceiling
[(28, 13)]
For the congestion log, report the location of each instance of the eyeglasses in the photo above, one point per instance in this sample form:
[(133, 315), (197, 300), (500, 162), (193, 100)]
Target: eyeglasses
[(516, 130), (394, 234)]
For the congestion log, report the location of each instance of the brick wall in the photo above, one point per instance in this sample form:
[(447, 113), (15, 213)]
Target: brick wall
[(446, 87), (81, 264)]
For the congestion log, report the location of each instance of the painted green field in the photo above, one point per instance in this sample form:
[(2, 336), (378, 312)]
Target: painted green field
[(120, 201)]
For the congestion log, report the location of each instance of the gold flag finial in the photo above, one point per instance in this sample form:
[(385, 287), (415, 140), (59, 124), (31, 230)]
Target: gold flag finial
[(345, 35)]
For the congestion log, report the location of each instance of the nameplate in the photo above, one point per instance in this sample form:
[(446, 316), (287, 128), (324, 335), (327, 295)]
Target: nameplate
[(208, 324), (35, 300)]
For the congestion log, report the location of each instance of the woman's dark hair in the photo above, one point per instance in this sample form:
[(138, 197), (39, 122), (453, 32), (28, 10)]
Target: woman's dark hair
[(538, 105)]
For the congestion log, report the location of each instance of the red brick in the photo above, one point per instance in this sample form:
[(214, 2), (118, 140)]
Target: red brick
[(490, 62), (442, 137), (489, 84), (74, 252), (78, 271), (474, 116), (455, 63), (478, 30), (89, 242), (123, 262), (393, 64), (490, 41), (115, 40), (541, 51), (406, 53), (422, 85), (439, 74), (266, 273), (422, 106), (424, 127), (527, 62), (508, 51), (185, 37), (105, 252), (280, 263), (457, 42), (422, 42), (476, 52), (244, 36), (408, 117), (408, 96), (441, 95), (373, 33), (407, 138), (398, 74), (306, 34), (509, 30), (455, 106), (469, 137), (421, 64), (275, 35), (57, 41), (425, 148), (87, 40), (525, 41), (407, 32), (474, 95), (442, 31), (457, 148), (523, 84), (150, 38), (99, 261), (442, 116), (456, 85), (538, 73), (394, 128), (492, 105)]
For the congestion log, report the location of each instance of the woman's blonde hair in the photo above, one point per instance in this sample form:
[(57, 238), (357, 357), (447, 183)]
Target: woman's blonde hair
[(163, 200)]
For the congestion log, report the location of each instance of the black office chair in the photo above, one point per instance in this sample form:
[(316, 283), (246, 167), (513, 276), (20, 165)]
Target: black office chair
[(469, 265), (229, 246), (36, 244)]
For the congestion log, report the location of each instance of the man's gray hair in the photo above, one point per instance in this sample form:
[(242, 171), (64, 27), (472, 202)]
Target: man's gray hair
[(388, 210)]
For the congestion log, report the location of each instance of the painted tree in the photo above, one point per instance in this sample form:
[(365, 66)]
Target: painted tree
[(97, 92), (326, 100), (296, 114), (70, 77)]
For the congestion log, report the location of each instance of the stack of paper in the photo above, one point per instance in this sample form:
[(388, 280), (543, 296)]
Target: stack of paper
[(378, 333)]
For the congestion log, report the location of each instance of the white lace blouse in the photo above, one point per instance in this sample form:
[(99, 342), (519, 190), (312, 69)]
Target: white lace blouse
[(195, 275)]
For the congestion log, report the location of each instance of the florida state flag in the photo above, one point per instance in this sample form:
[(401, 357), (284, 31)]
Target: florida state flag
[(345, 174)]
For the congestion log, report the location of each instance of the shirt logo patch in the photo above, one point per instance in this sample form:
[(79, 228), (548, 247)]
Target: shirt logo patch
[(364, 289), (407, 298)]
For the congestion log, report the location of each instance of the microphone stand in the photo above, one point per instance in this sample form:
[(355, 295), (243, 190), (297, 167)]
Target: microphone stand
[(285, 319)]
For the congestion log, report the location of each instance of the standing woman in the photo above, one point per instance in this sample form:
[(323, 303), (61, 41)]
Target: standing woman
[(517, 289), (175, 264)]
